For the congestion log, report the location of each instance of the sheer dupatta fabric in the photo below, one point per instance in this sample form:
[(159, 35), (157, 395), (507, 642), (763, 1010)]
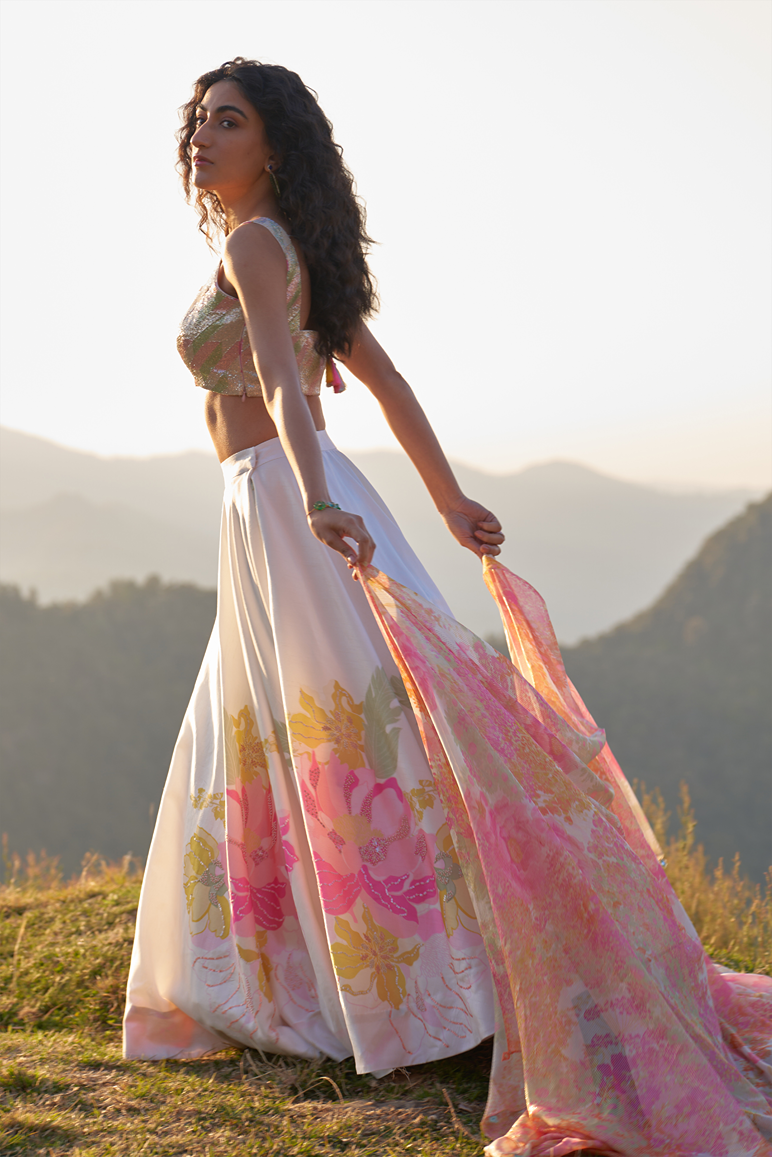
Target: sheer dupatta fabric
[(614, 1031)]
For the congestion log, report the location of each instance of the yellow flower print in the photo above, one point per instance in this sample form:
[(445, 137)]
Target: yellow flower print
[(246, 752), (377, 950), (264, 966), (253, 760), (559, 803), (213, 799), (356, 829), (343, 726), (514, 847), (205, 886), (421, 798), (457, 906)]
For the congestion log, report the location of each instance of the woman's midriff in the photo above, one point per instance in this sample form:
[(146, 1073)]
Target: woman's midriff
[(236, 423)]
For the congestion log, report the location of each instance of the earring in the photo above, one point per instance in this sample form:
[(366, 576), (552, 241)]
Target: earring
[(274, 182)]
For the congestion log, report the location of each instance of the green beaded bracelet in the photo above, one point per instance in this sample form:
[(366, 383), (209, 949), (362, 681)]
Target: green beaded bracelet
[(325, 506)]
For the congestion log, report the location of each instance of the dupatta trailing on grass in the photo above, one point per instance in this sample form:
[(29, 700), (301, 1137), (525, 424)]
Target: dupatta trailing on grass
[(614, 1031)]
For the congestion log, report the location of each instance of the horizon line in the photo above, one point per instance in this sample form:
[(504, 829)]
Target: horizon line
[(665, 485)]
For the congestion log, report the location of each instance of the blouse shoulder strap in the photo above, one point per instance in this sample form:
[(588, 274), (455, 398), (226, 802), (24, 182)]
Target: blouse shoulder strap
[(293, 268)]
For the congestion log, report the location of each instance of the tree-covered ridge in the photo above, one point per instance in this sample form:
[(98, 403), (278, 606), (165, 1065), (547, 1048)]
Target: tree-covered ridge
[(683, 689), (92, 696)]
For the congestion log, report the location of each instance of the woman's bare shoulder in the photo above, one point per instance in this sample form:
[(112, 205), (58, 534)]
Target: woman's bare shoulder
[(252, 252)]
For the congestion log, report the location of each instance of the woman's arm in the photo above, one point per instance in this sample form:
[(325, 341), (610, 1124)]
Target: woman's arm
[(254, 263), (472, 524)]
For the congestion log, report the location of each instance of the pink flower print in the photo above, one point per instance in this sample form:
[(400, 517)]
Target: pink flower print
[(338, 892), (337, 839), (259, 836), (376, 848), (389, 894), (310, 802), (290, 855), (421, 674), (610, 1067), (617, 1075), (349, 783), (264, 904)]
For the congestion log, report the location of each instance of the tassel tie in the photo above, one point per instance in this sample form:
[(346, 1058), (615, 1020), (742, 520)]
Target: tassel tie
[(333, 378)]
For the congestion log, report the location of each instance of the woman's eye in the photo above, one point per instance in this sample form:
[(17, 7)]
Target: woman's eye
[(227, 123)]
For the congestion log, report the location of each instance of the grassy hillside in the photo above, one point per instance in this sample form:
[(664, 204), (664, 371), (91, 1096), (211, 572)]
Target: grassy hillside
[(91, 700), (64, 1089), (683, 689)]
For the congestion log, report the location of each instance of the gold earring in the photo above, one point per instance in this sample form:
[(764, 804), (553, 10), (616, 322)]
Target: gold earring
[(274, 182)]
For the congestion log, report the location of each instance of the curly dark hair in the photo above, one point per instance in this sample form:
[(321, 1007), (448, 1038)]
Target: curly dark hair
[(316, 194)]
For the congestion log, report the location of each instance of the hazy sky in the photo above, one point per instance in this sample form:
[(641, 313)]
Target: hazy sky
[(571, 199)]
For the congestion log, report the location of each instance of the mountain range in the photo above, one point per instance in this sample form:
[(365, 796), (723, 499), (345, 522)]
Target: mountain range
[(598, 548), (684, 690), (92, 695)]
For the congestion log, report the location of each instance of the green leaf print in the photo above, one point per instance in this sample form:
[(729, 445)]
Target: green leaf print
[(381, 713), (280, 727), (400, 693)]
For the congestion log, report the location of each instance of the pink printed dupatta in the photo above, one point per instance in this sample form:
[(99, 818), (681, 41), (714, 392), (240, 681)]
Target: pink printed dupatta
[(614, 1031)]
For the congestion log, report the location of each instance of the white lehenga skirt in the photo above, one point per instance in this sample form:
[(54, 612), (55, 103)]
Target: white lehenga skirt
[(302, 893)]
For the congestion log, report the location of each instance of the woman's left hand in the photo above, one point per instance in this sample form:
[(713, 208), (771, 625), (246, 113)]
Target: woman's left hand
[(474, 526)]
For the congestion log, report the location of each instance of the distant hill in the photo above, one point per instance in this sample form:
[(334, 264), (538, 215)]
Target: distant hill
[(66, 547), (598, 549), (684, 689), (91, 700), (34, 470)]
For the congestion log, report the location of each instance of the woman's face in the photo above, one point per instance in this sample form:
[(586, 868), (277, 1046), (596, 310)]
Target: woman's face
[(229, 149)]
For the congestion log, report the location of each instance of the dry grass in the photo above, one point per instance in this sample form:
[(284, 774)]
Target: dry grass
[(65, 1090), (733, 917), (71, 1093), (65, 948)]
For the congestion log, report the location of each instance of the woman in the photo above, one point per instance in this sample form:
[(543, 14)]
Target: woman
[(372, 822)]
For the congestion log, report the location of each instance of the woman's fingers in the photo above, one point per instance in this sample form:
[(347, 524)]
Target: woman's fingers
[(489, 530), (363, 540), (335, 527), (335, 542), (489, 533), (366, 549)]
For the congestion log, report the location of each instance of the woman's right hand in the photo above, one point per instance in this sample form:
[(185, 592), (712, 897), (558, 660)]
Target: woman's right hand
[(333, 527), (474, 526)]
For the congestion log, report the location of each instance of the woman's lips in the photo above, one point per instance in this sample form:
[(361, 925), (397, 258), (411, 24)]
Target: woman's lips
[(201, 161)]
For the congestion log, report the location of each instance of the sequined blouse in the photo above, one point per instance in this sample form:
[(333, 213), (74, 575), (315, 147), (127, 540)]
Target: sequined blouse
[(213, 339)]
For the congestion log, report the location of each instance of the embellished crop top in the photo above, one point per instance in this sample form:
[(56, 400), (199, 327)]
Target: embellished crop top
[(213, 339)]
